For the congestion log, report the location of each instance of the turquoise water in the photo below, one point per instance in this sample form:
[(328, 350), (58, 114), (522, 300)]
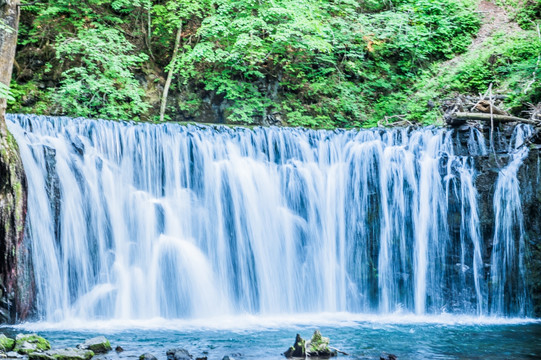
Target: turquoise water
[(266, 338)]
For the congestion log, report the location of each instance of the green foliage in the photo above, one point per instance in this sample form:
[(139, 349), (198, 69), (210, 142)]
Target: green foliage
[(28, 98), (529, 13), (321, 64), (5, 93), (330, 60), (508, 61), (101, 82)]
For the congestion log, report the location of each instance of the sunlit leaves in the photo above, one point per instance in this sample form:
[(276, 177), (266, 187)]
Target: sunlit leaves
[(101, 82)]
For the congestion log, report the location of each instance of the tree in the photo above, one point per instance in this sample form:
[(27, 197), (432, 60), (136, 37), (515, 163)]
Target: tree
[(172, 15), (9, 23)]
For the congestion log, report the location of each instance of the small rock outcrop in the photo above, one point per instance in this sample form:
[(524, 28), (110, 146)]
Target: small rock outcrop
[(62, 354), (6, 344), (29, 343), (147, 356), (98, 344), (178, 354), (317, 346), (298, 349)]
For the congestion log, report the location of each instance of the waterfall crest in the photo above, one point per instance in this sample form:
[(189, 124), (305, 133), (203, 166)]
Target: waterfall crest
[(135, 221)]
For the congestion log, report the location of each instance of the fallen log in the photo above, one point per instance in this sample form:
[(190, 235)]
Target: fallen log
[(460, 118)]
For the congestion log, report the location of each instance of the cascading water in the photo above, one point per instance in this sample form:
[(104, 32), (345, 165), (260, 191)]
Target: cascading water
[(134, 221)]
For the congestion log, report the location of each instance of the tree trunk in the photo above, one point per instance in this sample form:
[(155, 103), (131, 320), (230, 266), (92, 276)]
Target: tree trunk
[(16, 284), (9, 15), (170, 73), (460, 118)]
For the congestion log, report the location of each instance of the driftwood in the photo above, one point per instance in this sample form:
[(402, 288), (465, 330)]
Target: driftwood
[(487, 107), (460, 118)]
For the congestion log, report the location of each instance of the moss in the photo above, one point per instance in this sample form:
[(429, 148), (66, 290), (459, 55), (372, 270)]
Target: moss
[(98, 345), (30, 343), (64, 354), (6, 344)]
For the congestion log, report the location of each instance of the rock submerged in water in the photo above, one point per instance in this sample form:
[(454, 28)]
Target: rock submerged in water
[(178, 354), (147, 356), (98, 344), (62, 354), (317, 346), (29, 343)]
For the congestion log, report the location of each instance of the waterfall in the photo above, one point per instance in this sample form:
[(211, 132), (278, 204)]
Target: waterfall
[(135, 221), (507, 265)]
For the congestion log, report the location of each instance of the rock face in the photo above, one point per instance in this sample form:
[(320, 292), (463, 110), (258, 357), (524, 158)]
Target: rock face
[(63, 354), (16, 289), (16, 280), (529, 176), (98, 344), (30, 343)]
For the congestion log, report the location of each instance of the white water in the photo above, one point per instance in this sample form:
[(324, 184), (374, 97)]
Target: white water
[(138, 222)]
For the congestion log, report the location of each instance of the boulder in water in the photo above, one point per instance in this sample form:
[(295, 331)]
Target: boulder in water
[(119, 349), (6, 344), (30, 343), (147, 356), (227, 358), (98, 344), (178, 354), (62, 354), (317, 346), (298, 349)]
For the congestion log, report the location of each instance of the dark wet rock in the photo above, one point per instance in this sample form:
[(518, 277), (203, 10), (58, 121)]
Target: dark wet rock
[(297, 349), (16, 278), (62, 354), (228, 358), (30, 343), (119, 349), (6, 344), (529, 176), (178, 354), (98, 344), (388, 357), (147, 356), (317, 346), (201, 358)]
